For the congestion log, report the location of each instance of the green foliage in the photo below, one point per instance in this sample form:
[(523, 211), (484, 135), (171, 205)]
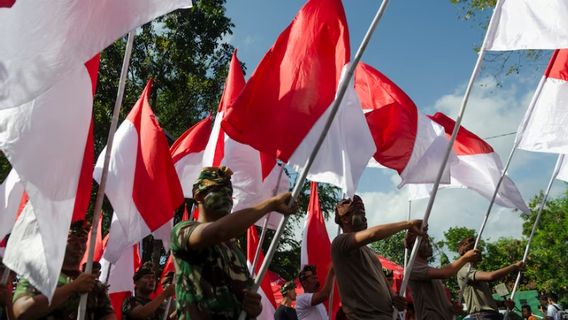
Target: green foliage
[(391, 248)]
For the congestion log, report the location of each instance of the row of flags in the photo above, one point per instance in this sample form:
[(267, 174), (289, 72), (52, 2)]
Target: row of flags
[(277, 115)]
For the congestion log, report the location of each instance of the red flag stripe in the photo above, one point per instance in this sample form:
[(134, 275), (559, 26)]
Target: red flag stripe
[(467, 143)]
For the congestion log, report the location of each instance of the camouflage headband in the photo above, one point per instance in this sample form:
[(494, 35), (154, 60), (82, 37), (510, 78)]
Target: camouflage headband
[(146, 268), (212, 177)]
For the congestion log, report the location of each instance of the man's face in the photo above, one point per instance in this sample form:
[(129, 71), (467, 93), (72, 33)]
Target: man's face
[(526, 313), (218, 200), (76, 247), (146, 284), (310, 282), (352, 213)]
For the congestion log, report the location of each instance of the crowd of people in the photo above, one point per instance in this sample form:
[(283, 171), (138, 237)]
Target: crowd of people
[(212, 280)]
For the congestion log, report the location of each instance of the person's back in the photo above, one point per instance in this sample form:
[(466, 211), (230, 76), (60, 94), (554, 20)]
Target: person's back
[(553, 309), (285, 311)]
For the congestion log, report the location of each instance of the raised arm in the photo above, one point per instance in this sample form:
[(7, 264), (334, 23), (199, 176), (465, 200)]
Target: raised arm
[(235, 224), (372, 234), (323, 294), (148, 310), (452, 269), (498, 274)]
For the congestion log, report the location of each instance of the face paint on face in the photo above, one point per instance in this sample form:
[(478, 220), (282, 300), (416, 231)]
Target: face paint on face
[(219, 200)]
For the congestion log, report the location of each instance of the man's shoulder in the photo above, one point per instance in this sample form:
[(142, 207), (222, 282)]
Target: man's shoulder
[(180, 234), (341, 242)]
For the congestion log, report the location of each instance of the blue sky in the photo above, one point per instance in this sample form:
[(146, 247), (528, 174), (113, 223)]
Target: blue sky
[(428, 51)]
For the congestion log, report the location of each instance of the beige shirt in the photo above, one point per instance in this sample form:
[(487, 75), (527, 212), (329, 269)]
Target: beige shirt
[(362, 285), (476, 294), (430, 299)]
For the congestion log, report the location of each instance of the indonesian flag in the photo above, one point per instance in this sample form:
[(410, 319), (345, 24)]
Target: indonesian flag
[(58, 182), (11, 193), (265, 290), (187, 154), (479, 167), (142, 184), (33, 59), (316, 247), (529, 24), (255, 176), (406, 140), (119, 280), (545, 125), (283, 107)]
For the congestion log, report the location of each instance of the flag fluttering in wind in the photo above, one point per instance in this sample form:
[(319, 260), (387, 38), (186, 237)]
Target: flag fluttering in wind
[(406, 140), (100, 243), (255, 177), (316, 247), (119, 274), (58, 183), (142, 184), (529, 24), (11, 192), (65, 34), (187, 154), (545, 125), (479, 167), (265, 290), (282, 108)]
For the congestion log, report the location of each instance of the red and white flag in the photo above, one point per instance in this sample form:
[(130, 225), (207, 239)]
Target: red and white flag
[(545, 124), (479, 167), (118, 275), (187, 154), (406, 140), (58, 182), (142, 184), (255, 176), (11, 193), (283, 107), (316, 247), (65, 34), (100, 243), (265, 290), (529, 24)]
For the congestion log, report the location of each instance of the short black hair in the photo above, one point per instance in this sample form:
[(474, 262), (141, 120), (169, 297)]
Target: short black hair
[(308, 267), (553, 296), (526, 306)]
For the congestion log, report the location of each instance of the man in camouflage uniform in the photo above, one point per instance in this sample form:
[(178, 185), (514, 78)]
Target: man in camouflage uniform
[(140, 305), (212, 279), (29, 303)]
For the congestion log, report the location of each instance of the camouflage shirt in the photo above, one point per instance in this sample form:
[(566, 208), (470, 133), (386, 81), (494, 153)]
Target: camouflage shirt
[(134, 301), (211, 280), (98, 303)]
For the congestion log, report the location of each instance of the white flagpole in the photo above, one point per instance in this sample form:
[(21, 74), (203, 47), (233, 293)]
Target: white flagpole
[(511, 154), (101, 191), (537, 220), (447, 154), (265, 224), (334, 108), (406, 249)]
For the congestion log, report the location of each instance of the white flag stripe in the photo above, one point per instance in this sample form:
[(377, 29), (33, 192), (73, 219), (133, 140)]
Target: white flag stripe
[(64, 34), (546, 123), (11, 192), (188, 169), (530, 24), (46, 149), (346, 149)]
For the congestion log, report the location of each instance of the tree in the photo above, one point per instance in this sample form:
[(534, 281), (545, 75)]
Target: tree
[(391, 248)]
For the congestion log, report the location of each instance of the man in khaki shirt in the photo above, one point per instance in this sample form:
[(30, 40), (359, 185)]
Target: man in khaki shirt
[(474, 285), (362, 284), (430, 298)]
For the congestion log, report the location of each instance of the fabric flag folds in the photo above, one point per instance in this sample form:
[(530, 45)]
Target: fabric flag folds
[(65, 34), (265, 289), (187, 154), (56, 183), (249, 166), (282, 108), (479, 167), (529, 24), (545, 124), (142, 183), (316, 247), (11, 193), (406, 140)]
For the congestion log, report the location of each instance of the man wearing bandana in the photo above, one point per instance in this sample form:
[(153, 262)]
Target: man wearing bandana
[(212, 279), (29, 303), (363, 287)]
